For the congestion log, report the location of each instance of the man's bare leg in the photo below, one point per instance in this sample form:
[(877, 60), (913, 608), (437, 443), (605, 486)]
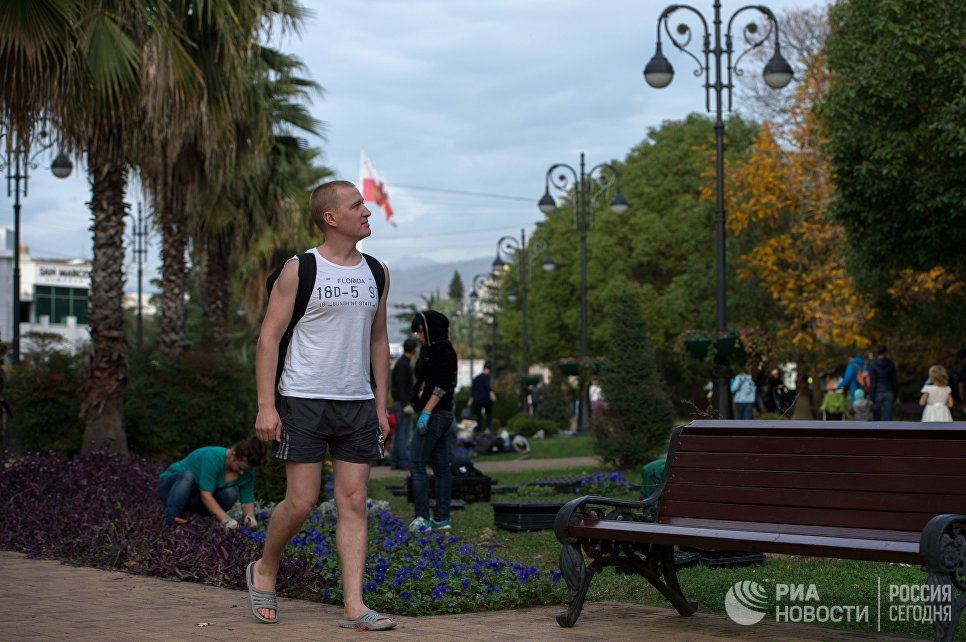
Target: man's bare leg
[(351, 532), (302, 484)]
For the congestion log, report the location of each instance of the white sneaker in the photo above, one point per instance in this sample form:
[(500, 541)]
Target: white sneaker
[(419, 524)]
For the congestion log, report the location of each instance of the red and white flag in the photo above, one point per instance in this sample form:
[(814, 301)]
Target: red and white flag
[(373, 189)]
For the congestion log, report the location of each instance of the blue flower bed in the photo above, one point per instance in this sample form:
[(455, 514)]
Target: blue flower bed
[(605, 484), (100, 510)]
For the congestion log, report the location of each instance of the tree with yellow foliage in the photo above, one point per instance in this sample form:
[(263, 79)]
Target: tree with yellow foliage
[(779, 194)]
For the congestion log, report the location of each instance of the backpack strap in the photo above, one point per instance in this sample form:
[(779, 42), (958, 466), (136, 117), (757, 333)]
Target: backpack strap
[(378, 272), (307, 273)]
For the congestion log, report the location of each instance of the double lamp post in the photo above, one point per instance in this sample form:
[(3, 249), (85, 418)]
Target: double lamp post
[(586, 188), (479, 281), (777, 73), (525, 252), (18, 160)]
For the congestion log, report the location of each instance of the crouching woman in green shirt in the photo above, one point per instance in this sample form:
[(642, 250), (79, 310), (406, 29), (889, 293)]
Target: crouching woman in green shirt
[(210, 480)]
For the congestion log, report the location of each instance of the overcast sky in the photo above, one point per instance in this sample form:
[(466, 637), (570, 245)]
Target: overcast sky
[(452, 95)]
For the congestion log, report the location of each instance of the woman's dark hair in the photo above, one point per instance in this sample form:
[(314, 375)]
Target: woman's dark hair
[(417, 324), (254, 451)]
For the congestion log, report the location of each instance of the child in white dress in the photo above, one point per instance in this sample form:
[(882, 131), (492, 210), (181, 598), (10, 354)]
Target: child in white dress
[(936, 397)]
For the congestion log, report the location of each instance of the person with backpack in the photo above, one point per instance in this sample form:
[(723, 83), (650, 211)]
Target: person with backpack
[(328, 307), (854, 376)]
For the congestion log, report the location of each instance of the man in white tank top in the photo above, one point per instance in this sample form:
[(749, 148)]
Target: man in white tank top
[(327, 399)]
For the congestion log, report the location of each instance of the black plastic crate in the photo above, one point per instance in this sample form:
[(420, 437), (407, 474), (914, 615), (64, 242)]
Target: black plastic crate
[(469, 489), (525, 516), (560, 483)]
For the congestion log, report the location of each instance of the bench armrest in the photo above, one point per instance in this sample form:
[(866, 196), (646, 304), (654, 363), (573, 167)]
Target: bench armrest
[(943, 545), (594, 506)]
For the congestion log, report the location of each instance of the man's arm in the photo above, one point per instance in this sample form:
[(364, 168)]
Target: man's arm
[(379, 354), (268, 426)]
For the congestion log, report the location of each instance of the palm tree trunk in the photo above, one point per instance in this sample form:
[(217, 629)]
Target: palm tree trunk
[(103, 404), (216, 289), (172, 339)]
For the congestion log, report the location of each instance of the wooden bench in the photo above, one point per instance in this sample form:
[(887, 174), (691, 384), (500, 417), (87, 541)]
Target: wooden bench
[(890, 492)]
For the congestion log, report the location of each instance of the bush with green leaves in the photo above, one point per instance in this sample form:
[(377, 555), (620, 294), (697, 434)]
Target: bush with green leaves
[(528, 425), (639, 416), (507, 401), (200, 399), (44, 397), (556, 404)]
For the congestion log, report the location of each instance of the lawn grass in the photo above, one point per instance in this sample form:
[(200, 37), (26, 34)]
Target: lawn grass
[(837, 582)]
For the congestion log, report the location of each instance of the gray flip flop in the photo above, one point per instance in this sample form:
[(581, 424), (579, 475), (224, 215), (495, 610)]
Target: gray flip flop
[(258, 599), (369, 621)]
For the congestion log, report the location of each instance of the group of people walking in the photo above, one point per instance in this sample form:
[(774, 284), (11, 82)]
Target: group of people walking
[(865, 392)]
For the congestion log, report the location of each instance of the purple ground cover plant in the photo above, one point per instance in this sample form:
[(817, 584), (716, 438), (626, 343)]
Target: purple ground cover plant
[(101, 510)]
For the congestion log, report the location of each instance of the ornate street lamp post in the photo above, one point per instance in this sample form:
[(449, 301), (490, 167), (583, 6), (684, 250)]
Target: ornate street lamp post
[(478, 281), (526, 252), (18, 161), (777, 73), (588, 187)]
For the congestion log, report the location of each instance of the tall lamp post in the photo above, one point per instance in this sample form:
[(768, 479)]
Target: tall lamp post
[(777, 73), (526, 253), (18, 162), (478, 281), (588, 187)]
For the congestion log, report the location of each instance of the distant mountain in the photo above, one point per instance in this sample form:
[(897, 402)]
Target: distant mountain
[(411, 282)]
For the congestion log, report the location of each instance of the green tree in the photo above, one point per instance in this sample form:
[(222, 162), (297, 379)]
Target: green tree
[(895, 114), (639, 416), (88, 65), (456, 290)]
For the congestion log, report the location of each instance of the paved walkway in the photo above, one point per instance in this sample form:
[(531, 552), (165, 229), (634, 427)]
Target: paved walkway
[(492, 467), (47, 600)]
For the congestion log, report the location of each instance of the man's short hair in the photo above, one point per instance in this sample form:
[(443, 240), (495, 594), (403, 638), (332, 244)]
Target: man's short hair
[(882, 350), (410, 345), (325, 198)]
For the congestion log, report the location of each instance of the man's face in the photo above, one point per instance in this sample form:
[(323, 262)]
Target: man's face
[(351, 217)]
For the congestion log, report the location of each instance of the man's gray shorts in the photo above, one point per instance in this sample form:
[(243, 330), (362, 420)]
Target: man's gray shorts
[(350, 429)]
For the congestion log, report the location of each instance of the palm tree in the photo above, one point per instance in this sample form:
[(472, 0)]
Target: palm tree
[(187, 165), (89, 86), (259, 209)]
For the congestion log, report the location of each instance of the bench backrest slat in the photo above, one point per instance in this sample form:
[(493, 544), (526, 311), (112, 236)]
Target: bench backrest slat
[(892, 476)]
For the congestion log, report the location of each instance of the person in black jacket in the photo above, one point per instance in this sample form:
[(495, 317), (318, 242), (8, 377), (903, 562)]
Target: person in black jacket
[(884, 384), (402, 406), (435, 385)]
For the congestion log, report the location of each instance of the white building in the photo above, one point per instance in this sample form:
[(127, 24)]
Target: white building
[(53, 296)]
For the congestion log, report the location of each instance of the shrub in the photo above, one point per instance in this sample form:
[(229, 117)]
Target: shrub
[(639, 417), (507, 401), (528, 425), (200, 399), (556, 403), (45, 399)]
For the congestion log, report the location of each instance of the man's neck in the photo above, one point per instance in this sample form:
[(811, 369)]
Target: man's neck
[(339, 251)]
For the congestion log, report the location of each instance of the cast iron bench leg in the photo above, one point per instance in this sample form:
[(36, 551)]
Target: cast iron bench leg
[(576, 574), (943, 545)]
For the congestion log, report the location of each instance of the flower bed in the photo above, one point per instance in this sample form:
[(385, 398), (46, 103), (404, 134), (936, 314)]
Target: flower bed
[(100, 510)]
